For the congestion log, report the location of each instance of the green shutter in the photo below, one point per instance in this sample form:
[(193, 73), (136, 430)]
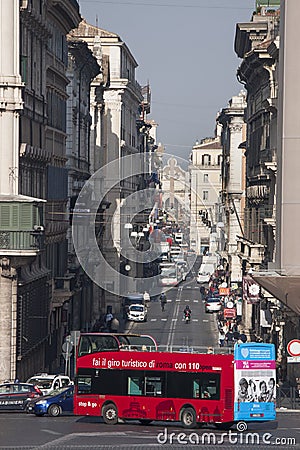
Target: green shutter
[(15, 216), (26, 216), (5, 217)]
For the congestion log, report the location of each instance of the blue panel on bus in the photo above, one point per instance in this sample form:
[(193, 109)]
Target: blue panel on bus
[(254, 382)]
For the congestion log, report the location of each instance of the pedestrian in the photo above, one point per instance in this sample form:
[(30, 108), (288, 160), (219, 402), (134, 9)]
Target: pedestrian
[(163, 301), (108, 320), (221, 337), (146, 297)]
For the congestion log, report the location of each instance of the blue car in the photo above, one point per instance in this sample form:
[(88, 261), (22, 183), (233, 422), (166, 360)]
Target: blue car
[(57, 402)]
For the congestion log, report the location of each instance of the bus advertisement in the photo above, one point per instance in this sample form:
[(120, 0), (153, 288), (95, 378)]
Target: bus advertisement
[(136, 383), (255, 382)]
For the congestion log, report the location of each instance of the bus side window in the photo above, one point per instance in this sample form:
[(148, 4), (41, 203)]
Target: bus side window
[(196, 389), (134, 386), (153, 386), (84, 384)]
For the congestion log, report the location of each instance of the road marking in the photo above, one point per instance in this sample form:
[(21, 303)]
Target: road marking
[(194, 320), (195, 301), (177, 300), (174, 319), (173, 322), (164, 320), (205, 320), (169, 301), (187, 300), (153, 320)]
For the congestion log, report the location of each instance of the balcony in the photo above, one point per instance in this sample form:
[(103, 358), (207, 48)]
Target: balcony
[(21, 243), (64, 289), (21, 232), (252, 252)]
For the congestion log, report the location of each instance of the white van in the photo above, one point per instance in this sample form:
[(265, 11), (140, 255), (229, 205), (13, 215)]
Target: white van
[(205, 272), (47, 383)]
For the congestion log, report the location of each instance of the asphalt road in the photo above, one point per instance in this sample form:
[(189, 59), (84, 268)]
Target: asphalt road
[(168, 327), (25, 431)]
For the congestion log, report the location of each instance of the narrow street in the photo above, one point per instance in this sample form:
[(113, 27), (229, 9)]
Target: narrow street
[(168, 327)]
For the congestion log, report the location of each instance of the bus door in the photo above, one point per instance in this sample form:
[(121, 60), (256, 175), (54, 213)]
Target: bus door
[(144, 391)]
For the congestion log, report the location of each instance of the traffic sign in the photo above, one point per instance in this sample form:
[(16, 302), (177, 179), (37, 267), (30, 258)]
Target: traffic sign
[(229, 313), (293, 347), (224, 291), (293, 359)]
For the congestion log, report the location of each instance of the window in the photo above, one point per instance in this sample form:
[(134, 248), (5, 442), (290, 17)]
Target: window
[(153, 386), (84, 385), (206, 160), (135, 386), (205, 195), (205, 178), (219, 160)]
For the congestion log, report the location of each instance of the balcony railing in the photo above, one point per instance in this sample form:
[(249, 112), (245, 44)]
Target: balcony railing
[(21, 240)]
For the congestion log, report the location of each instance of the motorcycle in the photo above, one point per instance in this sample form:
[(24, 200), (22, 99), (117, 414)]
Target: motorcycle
[(187, 317)]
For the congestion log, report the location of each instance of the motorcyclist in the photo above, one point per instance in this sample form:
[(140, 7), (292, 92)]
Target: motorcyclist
[(187, 312)]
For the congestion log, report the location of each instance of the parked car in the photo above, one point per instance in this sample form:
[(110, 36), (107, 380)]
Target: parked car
[(137, 313), (15, 396), (213, 304), (48, 383), (58, 402)]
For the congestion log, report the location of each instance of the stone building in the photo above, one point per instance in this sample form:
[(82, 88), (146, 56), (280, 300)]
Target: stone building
[(257, 73), (116, 104), (205, 176), (33, 244), (175, 184), (233, 179), (83, 307)]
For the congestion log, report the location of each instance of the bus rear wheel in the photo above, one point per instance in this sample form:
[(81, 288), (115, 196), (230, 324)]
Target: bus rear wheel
[(110, 414), (188, 418)]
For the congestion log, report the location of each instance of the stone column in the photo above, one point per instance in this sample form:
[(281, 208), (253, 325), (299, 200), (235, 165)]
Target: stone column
[(10, 96), (8, 320)]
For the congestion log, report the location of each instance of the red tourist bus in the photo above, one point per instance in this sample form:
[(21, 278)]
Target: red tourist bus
[(124, 376), (150, 385)]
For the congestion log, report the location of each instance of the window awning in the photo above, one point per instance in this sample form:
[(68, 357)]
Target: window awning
[(285, 288)]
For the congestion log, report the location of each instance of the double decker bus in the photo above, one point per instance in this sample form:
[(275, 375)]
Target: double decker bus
[(124, 376)]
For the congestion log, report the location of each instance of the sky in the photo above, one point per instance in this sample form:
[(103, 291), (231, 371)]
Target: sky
[(185, 49)]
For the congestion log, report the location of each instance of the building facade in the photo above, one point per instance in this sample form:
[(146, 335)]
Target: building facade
[(205, 182), (34, 58), (233, 179), (117, 132)]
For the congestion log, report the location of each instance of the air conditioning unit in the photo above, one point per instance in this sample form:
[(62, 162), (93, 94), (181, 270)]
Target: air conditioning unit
[(38, 228)]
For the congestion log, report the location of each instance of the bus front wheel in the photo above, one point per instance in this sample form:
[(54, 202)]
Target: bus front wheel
[(188, 418), (110, 414)]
